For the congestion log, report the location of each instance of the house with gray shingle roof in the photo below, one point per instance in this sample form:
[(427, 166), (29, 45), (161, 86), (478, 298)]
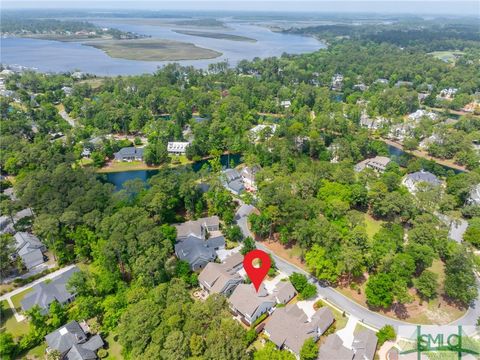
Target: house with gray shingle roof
[(333, 348), (198, 241), (412, 180), (23, 214), (129, 154), (46, 292), (232, 181), (378, 163), (72, 341), (222, 278), (249, 304), (284, 292), (363, 347), (289, 327), (30, 249)]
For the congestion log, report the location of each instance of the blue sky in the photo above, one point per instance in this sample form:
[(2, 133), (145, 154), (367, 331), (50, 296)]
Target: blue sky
[(378, 6)]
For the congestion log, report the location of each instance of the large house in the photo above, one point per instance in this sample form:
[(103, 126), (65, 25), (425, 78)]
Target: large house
[(248, 176), (363, 347), (232, 181), (412, 180), (198, 241), (249, 304), (222, 278), (129, 154), (73, 343), (372, 123), (177, 147), (419, 114), (30, 249), (46, 292), (289, 327), (378, 163), (337, 82), (260, 129)]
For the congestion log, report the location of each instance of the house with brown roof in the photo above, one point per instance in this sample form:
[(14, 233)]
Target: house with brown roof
[(289, 327), (249, 304), (222, 278)]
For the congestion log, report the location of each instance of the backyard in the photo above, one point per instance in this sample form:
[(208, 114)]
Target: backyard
[(9, 323)]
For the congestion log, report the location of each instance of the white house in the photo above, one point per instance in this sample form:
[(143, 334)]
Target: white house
[(474, 196), (248, 176), (256, 131), (337, 82), (378, 163), (249, 304), (419, 114), (222, 278), (448, 93), (177, 147), (412, 180)]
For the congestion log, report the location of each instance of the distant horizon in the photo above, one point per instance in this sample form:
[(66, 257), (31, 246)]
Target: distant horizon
[(386, 7)]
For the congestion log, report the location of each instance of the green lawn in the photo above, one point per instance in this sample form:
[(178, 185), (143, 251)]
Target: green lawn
[(176, 160), (16, 299), (372, 225), (38, 352), (9, 324), (449, 56), (358, 328), (114, 348)]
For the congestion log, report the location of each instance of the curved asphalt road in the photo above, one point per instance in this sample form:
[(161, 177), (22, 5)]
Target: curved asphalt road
[(367, 316)]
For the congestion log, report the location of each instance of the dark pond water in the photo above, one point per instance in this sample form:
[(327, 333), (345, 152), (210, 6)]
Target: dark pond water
[(119, 178), (397, 154)]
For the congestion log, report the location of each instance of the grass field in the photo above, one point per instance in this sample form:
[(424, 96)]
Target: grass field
[(118, 166), (94, 83), (16, 299), (372, 225), (38, 352), (448, 56), (10, 324), (153, 50), (114, 348), (214, 35)]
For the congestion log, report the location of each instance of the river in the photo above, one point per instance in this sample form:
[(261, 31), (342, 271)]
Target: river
[(56, 56)]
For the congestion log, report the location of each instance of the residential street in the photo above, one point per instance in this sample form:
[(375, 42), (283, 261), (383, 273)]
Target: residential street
[(339, 300), (28, 286)]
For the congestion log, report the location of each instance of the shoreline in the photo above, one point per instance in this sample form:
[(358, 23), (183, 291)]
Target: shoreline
[(421, 154)]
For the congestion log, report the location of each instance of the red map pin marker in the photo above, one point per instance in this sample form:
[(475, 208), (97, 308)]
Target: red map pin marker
[(256, 274)]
